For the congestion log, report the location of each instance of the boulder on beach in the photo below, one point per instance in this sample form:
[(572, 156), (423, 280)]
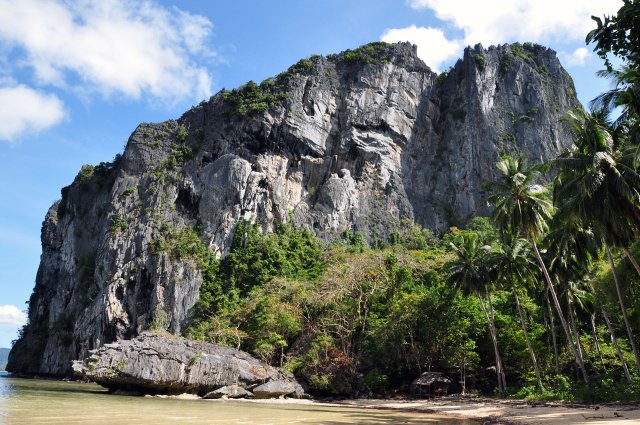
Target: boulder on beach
[(230, 391), (159, 364), (278, 388)]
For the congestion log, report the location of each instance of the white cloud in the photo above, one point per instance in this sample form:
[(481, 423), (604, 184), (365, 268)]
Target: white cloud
[(131, 48), (23, 109), (433, 47), (577, 58), (10, 315), (498, 21)]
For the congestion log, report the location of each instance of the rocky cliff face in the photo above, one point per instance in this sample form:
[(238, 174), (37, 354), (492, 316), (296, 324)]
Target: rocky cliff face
[(358, 140)]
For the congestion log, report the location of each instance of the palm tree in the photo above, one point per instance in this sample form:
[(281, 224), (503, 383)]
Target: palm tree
[(596, 343), (523, 206), (600, 171), (625, 95), (623, 363), (577, 297), (552, 327), (571, 249), (470, 273), (515, 266), (597, 184)]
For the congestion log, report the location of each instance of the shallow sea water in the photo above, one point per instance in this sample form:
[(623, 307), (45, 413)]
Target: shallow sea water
[(35, 401)]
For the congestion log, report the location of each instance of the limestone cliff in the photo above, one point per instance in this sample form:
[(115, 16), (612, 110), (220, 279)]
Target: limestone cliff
[(359, 140)]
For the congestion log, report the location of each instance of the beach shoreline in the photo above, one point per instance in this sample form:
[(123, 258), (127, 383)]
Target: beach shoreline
[(484, 410), (494, 411)]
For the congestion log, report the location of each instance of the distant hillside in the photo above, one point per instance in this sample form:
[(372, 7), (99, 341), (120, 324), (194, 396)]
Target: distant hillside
[(4, 356)]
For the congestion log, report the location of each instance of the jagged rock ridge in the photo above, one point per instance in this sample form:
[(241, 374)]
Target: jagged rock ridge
[(358, 140)]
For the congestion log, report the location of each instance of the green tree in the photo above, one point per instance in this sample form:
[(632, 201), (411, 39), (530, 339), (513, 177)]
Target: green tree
[(619, 36), (595, 184), (614, 340), (523, 206), (470, 272), (272, 316), (516, 267), (570, 251), (258, 257)]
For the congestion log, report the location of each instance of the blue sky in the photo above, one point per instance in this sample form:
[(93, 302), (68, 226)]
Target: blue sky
[(76, 77)]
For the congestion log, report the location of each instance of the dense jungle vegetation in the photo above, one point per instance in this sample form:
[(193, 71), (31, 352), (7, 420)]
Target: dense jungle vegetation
[(540, 300)]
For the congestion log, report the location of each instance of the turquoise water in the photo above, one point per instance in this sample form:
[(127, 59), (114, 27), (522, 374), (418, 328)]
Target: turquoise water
[(33, 401)]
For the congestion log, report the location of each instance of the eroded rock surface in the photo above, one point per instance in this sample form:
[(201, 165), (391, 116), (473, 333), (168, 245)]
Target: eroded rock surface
[(230, 391), (278, 388), (336, 143), (152, 364)]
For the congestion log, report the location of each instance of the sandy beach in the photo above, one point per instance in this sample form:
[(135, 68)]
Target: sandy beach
[(508, 412)]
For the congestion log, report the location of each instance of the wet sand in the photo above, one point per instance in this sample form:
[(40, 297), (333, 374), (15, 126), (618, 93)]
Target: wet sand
[(509, 412)]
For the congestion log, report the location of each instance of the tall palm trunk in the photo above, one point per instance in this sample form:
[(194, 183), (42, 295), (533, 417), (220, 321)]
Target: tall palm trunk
[(553, 333), (632, 340), (572, 324), (631, 258), (494, 340), (565, 327), (615, 343), (495, 333), (596, 343), (526, 336)]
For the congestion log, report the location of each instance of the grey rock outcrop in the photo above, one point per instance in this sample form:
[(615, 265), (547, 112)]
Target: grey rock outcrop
[(229, 391), (278, 388), (153, 364), (360, 141)]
